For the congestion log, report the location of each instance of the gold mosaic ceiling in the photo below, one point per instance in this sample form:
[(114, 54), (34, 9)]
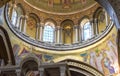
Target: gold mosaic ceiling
[(61, 6)]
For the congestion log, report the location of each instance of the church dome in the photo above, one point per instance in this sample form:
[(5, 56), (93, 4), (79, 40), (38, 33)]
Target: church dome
[(58, 25), (56, 37)]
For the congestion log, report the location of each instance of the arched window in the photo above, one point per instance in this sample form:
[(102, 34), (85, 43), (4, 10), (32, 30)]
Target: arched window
[(87, 31), (48, 34), (14, 17)]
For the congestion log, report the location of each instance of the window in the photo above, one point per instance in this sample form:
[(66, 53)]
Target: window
[(48, 34), (87, 31), (14, 17)]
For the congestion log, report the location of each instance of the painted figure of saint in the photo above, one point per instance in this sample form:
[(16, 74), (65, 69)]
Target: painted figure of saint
[(93, 59), (99, 61), (108, 65)]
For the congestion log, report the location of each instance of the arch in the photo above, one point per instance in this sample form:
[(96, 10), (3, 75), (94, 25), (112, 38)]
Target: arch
[(67, 31), (28, 57), (80, 20), (82, 67), (111, 10), (86, 28), (6, 52), (32, 26), (101, 19), (33, 15), (50, 20), (21, 8), (66, 21), (49, 32), (96, 12), (26, 63)]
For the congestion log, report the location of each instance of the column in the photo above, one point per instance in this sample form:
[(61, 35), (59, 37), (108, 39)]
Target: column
[(41, 32), (80, 34), (76, 34), (18, 72), (62, 71), (37, 30), (13, 6), (58, 34), (55, 35), (96, 26), (18, 25), (21, 23), (106, 18), (41, 71), (25, 24)]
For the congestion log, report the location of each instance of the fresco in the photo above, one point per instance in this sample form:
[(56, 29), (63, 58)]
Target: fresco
[(20, 53), (104, 57), (48, 57)]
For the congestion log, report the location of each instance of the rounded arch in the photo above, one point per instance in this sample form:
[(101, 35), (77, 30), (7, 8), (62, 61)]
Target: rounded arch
[(67, 21), (82, 68), (111, 8), (49, 31), (83, 21), (96, 12), (32, 25), (26, 63), (86, 28), (34, 16), (6, 52), (19, 5), (67, 31), (50, 20), (84, 17), (30, 57)]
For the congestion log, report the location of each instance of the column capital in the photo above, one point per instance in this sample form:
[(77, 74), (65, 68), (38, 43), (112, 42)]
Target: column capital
[(58, 27), (76, 26), (25, 16), (95, 20), (42, 24), (38, 24), (22, 16)]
